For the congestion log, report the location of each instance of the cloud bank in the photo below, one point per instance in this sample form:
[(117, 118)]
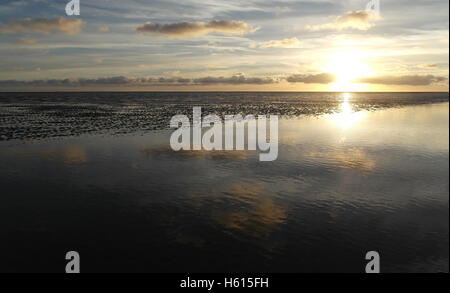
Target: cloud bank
[(413, 80), (193, 29), (237, 79), (321, 78), (42, 25)]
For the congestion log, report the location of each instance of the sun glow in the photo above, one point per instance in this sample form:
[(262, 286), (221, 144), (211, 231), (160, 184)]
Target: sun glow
[(347, 66)]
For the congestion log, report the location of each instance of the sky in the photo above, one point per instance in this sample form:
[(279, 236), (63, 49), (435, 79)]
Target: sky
[(228, 45)]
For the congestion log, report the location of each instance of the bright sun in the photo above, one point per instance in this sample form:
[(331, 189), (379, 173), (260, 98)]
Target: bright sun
[(347, 66)]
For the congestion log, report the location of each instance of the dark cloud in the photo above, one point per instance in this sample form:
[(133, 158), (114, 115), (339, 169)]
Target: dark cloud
[(414, 80), (42, 25), (235, 79), (322, 78), (238, 79), (144, 81), (186, 29), (117, 80)]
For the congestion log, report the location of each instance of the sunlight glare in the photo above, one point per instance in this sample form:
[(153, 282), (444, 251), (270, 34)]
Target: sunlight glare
[(347, 65), (346, 117)]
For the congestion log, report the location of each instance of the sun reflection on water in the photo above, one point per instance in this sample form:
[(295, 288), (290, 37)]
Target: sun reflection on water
[(346, 117)]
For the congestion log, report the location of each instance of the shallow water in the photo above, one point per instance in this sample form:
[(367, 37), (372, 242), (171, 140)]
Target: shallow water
[(44, 115), (357, 175)]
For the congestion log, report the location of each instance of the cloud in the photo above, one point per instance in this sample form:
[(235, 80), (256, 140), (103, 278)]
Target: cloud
[(116, 80), (413, 80), (172, 73), (119, 80), (359, 20), (103, 28), (24, 41), (192, 29), (143, 66), (237, 79), (42, 25), (428, 66), (321, 78), (286, 43)]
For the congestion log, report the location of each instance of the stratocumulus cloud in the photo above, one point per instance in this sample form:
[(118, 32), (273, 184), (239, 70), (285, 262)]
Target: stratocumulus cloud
[(359, 20), (321, 78), (238, 79), (235, 79), (42, 25), (413, 80), (190, 29)]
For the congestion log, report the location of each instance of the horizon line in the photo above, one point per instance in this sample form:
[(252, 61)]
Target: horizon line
[(224, 91)]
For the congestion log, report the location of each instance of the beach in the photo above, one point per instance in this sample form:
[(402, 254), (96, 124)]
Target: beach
[(94, 173)]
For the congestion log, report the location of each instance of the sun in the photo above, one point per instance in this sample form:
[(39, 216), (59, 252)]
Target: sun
[(347, 65)]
